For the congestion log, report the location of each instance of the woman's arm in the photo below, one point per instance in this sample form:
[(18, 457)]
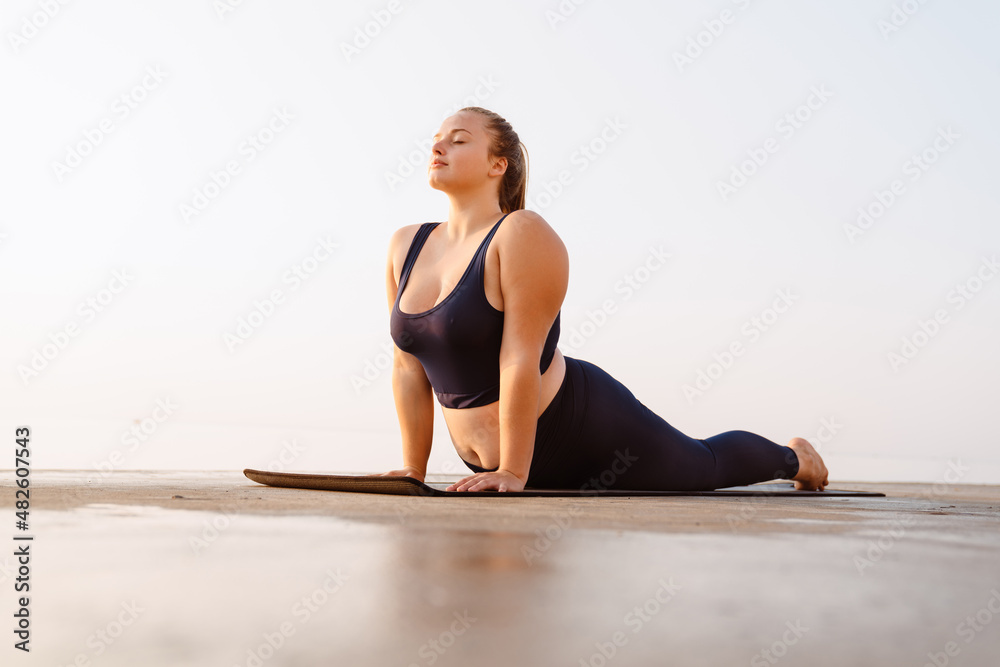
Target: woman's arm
[(415, 410), (411, 389), (534, 276)]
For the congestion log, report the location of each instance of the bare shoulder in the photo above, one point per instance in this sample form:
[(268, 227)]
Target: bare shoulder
[(523, 218), (531, 256), (399, 243), (529, 230), (402, 237)]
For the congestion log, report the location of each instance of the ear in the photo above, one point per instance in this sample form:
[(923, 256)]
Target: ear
[(499, 167)]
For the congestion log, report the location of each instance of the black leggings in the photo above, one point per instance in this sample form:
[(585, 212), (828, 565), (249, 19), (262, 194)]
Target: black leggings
[(595, 434)]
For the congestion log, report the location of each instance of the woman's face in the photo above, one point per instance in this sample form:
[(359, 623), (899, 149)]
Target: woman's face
[(462, 145)]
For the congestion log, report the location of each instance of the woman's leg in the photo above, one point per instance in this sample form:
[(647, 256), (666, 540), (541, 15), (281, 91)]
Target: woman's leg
[(614, 441)]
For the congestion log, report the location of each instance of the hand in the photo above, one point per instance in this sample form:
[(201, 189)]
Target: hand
[(501, 480), (405, 471)]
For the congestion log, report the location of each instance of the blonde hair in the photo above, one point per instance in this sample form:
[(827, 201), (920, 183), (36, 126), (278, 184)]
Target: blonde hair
[(507, 144)]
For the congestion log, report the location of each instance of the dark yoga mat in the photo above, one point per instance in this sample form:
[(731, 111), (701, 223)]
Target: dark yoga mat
[(408, 486)]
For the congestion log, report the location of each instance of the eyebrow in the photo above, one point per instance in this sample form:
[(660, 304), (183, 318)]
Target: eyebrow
[(457, 129)]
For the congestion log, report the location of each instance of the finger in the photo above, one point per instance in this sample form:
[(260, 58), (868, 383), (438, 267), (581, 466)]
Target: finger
[(469, 482), (482, 484), (460, 484)]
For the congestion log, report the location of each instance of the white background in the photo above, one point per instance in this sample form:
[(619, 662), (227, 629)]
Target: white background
[(310, 388)]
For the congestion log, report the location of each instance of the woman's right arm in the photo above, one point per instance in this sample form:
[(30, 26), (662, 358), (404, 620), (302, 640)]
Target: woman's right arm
[(411, 389)]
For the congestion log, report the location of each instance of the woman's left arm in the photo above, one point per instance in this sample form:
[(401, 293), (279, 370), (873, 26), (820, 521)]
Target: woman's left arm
[(534, 275)]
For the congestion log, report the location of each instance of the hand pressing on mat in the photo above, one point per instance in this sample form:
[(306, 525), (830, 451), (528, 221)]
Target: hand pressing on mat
[(499, 480), (405, 471)]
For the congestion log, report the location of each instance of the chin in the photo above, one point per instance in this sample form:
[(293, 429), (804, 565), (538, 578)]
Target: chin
[(436, 183)]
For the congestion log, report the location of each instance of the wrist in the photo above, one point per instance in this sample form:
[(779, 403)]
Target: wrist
[(523, 477)]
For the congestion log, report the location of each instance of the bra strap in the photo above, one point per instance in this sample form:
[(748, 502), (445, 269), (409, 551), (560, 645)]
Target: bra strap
[(411, 255), (480, 258)]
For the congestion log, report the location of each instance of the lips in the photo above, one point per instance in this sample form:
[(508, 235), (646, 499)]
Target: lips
[(438, 164)]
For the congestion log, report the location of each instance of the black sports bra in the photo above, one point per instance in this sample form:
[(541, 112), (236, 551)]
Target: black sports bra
[(458, 340)]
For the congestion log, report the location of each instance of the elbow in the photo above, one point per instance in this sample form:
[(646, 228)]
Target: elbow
[(523, 364)]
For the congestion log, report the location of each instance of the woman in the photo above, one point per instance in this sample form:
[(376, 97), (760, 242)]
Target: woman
[(481, 336)]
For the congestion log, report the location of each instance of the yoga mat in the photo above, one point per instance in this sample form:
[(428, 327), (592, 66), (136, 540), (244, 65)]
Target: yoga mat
[(408, 486)]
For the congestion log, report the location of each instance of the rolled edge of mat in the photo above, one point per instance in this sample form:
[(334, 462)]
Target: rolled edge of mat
[(395, 485)]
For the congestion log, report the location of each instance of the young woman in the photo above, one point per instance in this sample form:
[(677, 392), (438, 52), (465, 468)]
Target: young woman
[(475, 304)]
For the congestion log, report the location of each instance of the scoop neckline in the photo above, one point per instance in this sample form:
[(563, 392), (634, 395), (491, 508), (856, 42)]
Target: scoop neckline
[(461, 280), (443, 301)]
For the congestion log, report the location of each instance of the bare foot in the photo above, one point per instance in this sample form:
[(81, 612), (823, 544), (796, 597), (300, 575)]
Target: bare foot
[(812, 475)]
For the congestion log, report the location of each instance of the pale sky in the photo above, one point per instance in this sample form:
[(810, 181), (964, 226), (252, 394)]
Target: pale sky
[(821, 178)]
